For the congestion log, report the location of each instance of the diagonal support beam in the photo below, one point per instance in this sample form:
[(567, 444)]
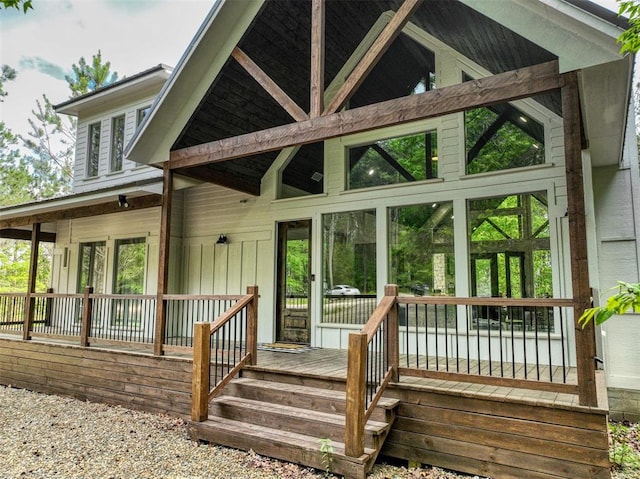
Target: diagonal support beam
[(271, 87), (393, 162), (371, 58), (317, 58), (503, 87)]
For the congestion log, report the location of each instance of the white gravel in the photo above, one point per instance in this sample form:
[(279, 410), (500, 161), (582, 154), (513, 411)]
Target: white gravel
[(44, 436)]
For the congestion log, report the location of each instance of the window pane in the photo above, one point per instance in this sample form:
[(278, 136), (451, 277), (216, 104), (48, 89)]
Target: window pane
[(91, 266), (93, 150), (512, 234), (392, 161), (129, 266), (502, 137), (141, 114), (421, 249), (117, 143), (349, 266)]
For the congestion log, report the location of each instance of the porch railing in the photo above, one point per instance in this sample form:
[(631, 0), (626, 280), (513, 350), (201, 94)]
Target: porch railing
[(232, 341), (372, 363), (498, 341), (12, 307), (184, 311), (123, 317)]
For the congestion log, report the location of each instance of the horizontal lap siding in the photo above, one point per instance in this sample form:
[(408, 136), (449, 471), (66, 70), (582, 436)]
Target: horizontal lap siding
[(494, 437), (497, 438), (159, 385)]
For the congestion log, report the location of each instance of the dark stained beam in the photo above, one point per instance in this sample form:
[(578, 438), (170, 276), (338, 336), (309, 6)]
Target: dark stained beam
[(111, 206), (503, 87), (270, 86), (163, 259), (29, 308), (16, 234), (585, 337), (317, 58), (223, 178), (373, 55)]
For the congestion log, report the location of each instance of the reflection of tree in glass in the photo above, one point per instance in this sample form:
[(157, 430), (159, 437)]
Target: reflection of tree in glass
[(498, 142), (130, 259)]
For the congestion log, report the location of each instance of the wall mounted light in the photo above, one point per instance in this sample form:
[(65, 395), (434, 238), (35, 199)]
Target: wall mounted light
[(222, 239), (122, 201)]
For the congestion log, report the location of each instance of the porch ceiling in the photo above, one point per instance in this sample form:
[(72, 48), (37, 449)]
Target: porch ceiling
[(280, 43)]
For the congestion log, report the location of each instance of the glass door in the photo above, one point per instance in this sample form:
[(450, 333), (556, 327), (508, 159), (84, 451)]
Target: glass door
[(293, 301)]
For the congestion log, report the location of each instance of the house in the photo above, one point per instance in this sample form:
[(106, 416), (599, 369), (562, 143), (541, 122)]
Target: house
[(472, 153)]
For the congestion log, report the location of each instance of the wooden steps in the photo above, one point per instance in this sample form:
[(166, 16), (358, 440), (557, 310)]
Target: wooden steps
[(287, 421)]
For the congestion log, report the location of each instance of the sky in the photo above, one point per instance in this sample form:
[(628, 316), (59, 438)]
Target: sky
[(133, 35), (42, 45)]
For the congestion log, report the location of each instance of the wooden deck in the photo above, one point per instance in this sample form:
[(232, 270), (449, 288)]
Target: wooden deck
[(491, 431)]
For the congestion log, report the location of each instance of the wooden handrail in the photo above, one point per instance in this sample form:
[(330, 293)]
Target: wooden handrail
[(455, 301), (230, 313), (357, 411), (201, 392)]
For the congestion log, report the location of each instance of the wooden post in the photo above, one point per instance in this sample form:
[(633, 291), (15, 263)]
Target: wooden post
[(201, 371), (48, 308), (252, 325), (29, 305), (163, 259), (87, 311), (317, 58), (585, 337), (391, 333), (356, 377)]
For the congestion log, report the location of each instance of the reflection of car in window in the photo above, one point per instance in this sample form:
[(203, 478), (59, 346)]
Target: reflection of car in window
[(342, 289), (420, 289)]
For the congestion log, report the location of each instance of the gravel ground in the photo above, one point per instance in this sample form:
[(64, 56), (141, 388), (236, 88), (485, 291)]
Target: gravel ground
[(44, 436)]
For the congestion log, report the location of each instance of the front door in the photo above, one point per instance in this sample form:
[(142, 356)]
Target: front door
[(293, 302)]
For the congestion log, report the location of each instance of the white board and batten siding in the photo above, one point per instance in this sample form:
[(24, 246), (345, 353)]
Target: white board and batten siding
[(108, 228), (105, 178), (250, 223)]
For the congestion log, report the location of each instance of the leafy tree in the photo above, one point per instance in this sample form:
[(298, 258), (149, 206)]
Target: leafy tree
[(6, 73), (630, 38), (88, 77), (45, 171), (17, 4)]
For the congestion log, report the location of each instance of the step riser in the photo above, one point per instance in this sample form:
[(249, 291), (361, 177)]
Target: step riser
[(267, 447), (300, 400), (283, 422), (330, 384)]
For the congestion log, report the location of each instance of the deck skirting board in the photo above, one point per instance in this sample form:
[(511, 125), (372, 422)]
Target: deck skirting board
[(515, 434)]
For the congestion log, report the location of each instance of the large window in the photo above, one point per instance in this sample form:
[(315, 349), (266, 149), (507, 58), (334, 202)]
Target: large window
[(93, 150), (129, 262), (421, 249), (128, 277), (396, 160), (117, 142), (349, 266), (91, 270), (501, 137), (510, 254)]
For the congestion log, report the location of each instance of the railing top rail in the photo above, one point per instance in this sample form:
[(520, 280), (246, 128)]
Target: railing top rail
[(377, 317), (477, 301), (230, 313), (9, 295), (187, 297), (123, 296), (57, 295)]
